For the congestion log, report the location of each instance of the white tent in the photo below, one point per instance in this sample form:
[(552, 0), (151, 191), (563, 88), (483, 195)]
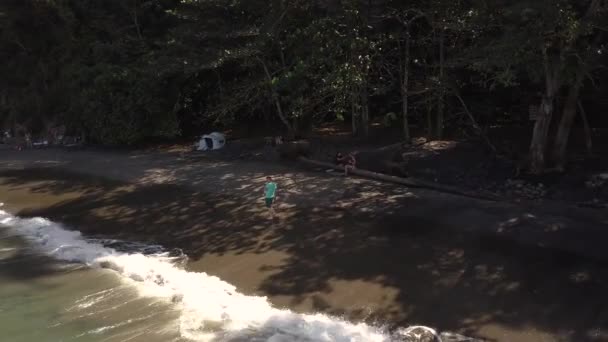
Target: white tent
[(212, 141)]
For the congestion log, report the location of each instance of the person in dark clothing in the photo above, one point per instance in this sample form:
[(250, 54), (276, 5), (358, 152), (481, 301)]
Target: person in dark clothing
[(348, 162), (340, 160)]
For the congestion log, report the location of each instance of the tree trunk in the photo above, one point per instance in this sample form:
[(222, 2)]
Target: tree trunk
[(540, 135), (220, 85), (354, 116), (277, 102), (43, 71), (569, 113), (440, 103), (136, 21), (541, 128), (429, 121), (364, 112), (588, 133), (474, 123), (404, 68), (412, 182), (405, 86)]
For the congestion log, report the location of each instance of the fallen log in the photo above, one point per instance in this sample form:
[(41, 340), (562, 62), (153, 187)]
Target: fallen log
[(411, 182), (293, 149)]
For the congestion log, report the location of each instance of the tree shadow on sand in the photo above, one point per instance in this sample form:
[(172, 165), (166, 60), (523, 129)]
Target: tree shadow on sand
[(438, 273)]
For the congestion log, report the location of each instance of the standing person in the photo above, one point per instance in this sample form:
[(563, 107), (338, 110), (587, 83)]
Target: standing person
[(270, 190)]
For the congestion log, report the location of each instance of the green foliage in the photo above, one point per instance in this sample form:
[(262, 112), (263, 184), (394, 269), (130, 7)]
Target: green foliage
[(123, 106), (511, 39), (120, 72), (91, 69)]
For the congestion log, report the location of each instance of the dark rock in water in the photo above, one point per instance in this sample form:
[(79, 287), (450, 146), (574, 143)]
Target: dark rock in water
[(136, 277), (416, 334), (451, 337), (159, 280), (294, 149), (175, 253), (177, 298), (426, 334), (111, 266), (104, 264)]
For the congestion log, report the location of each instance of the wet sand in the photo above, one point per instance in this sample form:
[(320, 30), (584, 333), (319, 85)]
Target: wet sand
[(349, 247)]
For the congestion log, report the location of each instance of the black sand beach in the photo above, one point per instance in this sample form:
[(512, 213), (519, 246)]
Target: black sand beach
[(344, 246)]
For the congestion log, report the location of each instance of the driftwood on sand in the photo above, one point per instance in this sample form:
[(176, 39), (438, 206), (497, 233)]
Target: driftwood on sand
[(293, 149), (411, 182)]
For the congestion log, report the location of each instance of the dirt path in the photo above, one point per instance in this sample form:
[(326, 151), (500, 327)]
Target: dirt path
[(341, 245)]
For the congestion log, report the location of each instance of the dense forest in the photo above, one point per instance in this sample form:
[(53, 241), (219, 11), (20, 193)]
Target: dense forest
[(120, 72)]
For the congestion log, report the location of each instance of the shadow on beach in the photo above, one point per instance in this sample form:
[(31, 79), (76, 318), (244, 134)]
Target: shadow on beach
[(401, 260)]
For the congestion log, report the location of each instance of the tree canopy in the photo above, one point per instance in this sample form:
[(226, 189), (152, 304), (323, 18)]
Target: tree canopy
[(122, 71)]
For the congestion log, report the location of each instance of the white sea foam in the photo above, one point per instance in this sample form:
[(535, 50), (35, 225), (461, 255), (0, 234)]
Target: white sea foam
[(210, 309)]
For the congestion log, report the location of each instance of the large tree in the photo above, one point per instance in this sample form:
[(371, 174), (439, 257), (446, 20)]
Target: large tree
[(544, 41), (124, 71)]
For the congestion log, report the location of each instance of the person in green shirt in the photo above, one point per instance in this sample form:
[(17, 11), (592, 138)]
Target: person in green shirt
[(270, 190)]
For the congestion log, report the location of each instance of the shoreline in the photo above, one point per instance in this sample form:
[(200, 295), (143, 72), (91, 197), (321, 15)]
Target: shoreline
[(347, 247)]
